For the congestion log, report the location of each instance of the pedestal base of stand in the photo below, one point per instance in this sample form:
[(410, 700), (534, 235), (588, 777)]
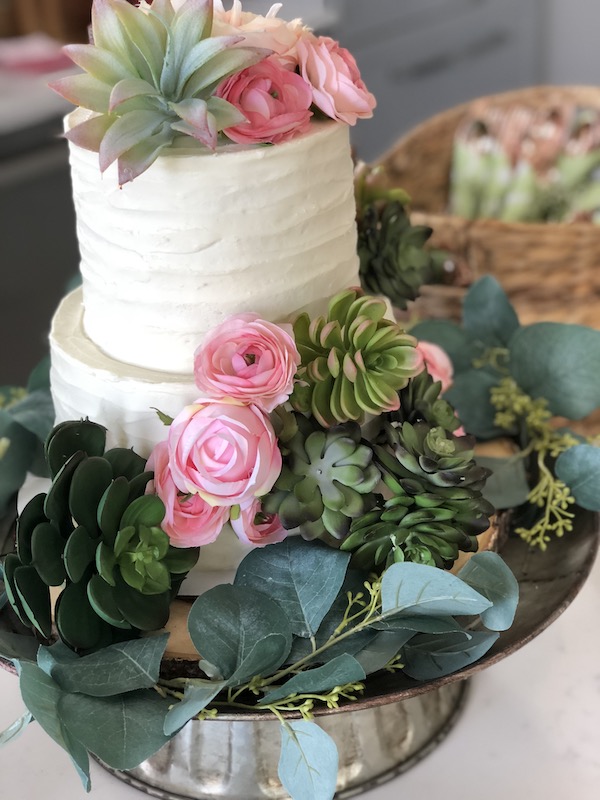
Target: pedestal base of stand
[(235, 758)]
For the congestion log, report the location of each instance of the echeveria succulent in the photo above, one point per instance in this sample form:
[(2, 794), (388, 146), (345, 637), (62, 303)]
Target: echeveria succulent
[(393, 258), (150, 78), (96, 535), (420, 400), (436, 507), (327, 480), (353, 361)]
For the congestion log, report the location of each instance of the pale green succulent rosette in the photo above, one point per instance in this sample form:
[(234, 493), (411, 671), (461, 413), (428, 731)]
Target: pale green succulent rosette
[(353, 361), (150, 78), (327, 480)]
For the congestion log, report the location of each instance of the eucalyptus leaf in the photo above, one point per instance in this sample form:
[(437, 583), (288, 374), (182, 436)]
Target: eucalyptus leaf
[(507, 486), (382, 649), (337, 672), (308, 763), (470, 396), (196, 697), (428, 657), (560, 363), (16, 729), (227, 622), (304, 578), (15, 460), (35, 413), (265, 656), (488, 314), (41, 695), (488, 574), (39, 377), (416, 590), (579, 468), (119, 668), (122, 731), (418, 624), (456, 342)]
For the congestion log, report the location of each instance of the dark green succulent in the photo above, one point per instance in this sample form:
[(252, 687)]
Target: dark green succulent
[(97, 535), (434, 506), (326, 481), (393, 258), (420, 401), (353, 361)]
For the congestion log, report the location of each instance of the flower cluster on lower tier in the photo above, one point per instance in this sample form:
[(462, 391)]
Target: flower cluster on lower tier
[(273, 443)]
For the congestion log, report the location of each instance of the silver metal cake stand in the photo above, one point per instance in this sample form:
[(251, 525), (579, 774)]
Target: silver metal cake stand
[(397, 721)]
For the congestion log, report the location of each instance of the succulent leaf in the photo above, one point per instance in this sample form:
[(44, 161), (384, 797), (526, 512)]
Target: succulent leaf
[(151, 75), (353, 362), (436, 508), (97, 532)]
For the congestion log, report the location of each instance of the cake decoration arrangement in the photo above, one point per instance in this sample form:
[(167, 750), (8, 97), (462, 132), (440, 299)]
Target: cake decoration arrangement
[(264, 493)]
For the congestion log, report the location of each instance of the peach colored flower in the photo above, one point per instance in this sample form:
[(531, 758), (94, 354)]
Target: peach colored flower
[(223, 451), (437, 363), (268, 31), (248, 359), (254, 526), (338, 89), (189, 520), (275, 102)]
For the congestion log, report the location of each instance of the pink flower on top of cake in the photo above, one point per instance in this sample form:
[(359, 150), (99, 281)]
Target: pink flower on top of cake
[(331, 70), (275, 101), (254, 526), (268, 32), (189, 520), (223, 451), (249, 360), (437, 363)]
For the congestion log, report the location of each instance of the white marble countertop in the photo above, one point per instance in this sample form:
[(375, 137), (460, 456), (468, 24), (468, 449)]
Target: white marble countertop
[(531, 730)]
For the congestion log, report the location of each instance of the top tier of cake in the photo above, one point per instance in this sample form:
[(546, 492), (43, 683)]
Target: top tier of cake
[(201, 236)]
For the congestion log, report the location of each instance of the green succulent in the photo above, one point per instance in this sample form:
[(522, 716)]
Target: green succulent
[(420, 401), (150, 78), (353, 361), (96, 535), (327, 480), (393, 258), (434, 507)]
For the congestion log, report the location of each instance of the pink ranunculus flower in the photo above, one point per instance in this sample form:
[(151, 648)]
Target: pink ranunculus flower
[(254, 526), (225, 452), (267, 31), (189, 520), (338, 90), (248, 359), (437, 363), (275, 102)]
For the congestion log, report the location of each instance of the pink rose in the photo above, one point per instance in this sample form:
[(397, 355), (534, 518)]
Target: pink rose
[(338, 90), (254, 526), (225, 452), (437, 363), (189, 520), (248, 359), (275, 102)]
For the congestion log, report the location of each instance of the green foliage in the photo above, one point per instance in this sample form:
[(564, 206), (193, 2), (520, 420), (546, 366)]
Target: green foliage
[(511, 380), (507, 485), (26, 417), (308, 764), (428, 657), (392, 254), (326, 481), (488, 574), (150, 78), (421, 400), (96, 532), (353, 361), (436, 507), (298, 577)]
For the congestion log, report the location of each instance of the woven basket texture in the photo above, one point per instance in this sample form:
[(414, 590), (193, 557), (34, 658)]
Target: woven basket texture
[(551, 271)]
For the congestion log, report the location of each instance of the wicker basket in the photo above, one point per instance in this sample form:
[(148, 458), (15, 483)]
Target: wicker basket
[(551, 271)]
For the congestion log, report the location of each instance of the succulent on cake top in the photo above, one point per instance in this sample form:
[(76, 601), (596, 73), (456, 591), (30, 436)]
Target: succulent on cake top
[(191, 73)]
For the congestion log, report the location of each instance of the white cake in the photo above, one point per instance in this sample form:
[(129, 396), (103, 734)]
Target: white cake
[(196, 238)]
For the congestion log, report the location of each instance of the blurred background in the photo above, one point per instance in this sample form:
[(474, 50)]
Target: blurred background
[(417, 56)]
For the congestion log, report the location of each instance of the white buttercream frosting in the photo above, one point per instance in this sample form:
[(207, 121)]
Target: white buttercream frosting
[(200, 236)]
